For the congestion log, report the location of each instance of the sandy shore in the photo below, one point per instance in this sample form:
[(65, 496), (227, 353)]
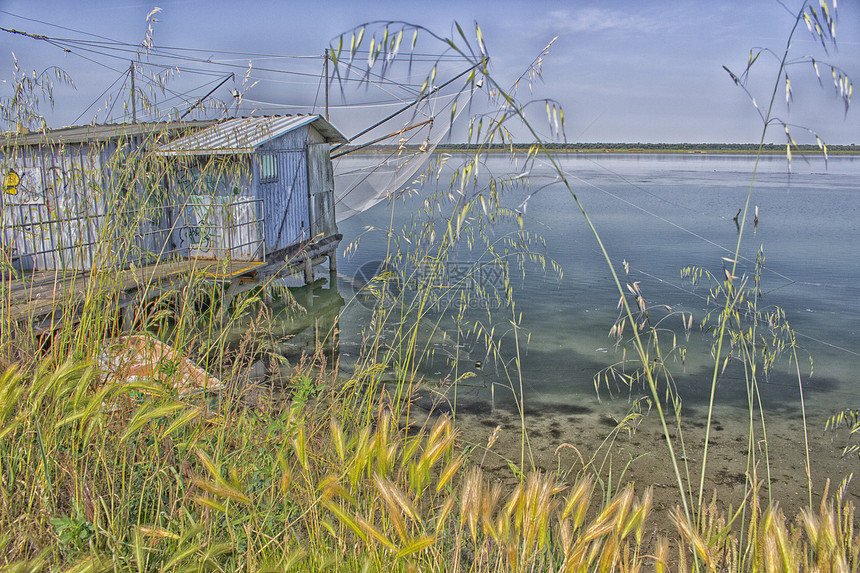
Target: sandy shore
[(642, 457), (562, 438)]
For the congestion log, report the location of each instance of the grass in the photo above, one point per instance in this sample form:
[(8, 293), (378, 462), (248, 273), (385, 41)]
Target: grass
[(100, 471), (128, 477)]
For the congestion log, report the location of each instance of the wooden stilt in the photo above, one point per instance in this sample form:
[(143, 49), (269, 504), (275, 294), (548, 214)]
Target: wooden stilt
[(309, 272), (228, 295), (127, 317)]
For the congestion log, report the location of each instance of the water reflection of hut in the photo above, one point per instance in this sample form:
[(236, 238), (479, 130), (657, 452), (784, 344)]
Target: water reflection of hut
[(313, 330), (280, 162)]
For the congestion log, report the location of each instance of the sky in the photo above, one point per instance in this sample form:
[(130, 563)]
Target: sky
[(622, 70)]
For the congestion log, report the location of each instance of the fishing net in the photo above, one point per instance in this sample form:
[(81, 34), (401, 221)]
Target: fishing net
[(364, 177)]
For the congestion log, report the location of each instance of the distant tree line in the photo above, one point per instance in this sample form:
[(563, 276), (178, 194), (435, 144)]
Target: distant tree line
[(634, 147)]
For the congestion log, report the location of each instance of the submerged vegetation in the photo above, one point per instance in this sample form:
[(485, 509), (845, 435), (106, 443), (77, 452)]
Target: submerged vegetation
[(312, 471)]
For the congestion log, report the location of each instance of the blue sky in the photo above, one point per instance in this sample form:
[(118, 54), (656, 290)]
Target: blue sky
[(623, 70)]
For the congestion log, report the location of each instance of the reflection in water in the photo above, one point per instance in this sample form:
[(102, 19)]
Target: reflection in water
[(311, 324), (302, 328), (662, 214)]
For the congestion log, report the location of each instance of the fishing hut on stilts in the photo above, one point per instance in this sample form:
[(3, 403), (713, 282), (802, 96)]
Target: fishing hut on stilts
[(147, 205)]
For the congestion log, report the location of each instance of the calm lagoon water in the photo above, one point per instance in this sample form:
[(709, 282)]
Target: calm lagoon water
[(661, 213)]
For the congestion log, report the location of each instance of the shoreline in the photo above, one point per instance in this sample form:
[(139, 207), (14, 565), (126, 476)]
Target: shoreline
[(851, 151)]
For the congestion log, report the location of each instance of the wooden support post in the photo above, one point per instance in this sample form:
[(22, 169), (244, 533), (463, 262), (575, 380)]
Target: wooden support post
[(179, 300), (332, 261), (309, 271), (128, 317), (227, 297)]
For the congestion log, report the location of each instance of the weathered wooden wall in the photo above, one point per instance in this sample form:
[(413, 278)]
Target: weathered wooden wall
[(216, 215), (110, 203), (321, 181), (285, 200), (54, 217), (300, 205)]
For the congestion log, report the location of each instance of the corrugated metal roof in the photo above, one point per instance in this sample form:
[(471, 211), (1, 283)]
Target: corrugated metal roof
[(246, 134), (96, 133)]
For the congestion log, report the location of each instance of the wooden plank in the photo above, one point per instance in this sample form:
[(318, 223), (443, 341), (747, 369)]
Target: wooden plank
[(25, 299), (221, 270)]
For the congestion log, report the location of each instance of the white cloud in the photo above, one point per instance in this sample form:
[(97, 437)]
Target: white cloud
[(597, 20)]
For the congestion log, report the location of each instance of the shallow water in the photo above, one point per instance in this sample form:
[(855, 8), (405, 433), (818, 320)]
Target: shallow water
[(660, 213)]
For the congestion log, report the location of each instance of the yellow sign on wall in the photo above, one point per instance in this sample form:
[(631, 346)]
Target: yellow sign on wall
[(10, 183)]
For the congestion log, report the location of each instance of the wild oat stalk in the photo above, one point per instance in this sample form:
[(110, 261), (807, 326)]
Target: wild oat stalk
[(823, 26)]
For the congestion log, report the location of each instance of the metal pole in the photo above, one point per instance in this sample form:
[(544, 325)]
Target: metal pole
[(190, 109), (384, 137), (133, 103), (326, 85)]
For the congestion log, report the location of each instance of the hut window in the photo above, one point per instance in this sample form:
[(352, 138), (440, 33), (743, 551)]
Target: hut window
[(268, 168)]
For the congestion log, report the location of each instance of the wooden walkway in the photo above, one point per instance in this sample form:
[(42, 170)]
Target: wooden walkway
[(40, 293)]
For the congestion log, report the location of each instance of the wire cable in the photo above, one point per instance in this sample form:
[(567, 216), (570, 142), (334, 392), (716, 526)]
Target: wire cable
[(98, 99)]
